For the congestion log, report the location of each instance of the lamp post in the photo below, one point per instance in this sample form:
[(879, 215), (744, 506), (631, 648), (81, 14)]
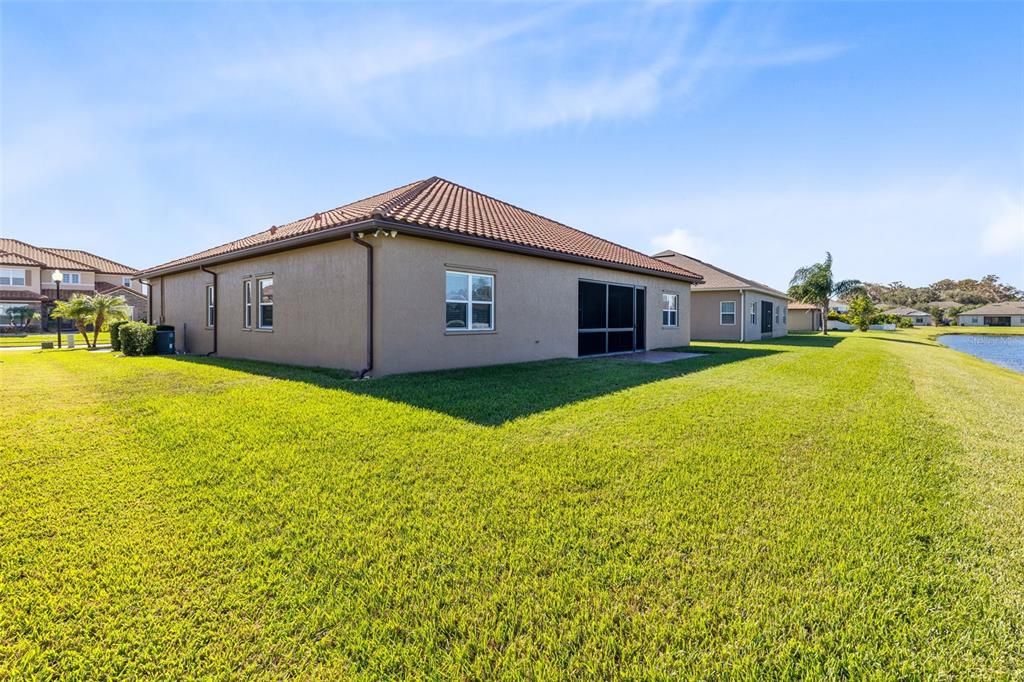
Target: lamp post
[(57, 276)]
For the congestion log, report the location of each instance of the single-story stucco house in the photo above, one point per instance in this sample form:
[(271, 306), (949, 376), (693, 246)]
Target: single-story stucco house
[(728, 307), (427, 276), (1005, 314), (804, 317), (918, 318)]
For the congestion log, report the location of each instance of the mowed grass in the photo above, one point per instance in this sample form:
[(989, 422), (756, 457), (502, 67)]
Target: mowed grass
[(37, 340), (841, 507)]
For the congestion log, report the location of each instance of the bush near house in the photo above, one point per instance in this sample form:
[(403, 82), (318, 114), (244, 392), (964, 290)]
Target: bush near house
[(137, 338), (115, 338)]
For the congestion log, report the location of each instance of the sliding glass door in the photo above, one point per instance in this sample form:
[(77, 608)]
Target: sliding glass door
[(611, 318)]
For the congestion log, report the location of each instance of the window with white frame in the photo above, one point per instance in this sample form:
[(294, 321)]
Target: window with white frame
[(753, 313), (727, 312), (265, 290), (71, 278), (12, 277), (468, 301), (126, 282), (776, 313), (669, 310), (247, 304), (974, 320), (211, 306), (784, 315)]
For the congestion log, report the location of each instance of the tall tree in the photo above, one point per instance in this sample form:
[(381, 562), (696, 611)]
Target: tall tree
[(815, 284)]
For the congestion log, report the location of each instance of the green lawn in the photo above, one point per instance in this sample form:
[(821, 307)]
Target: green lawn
[(841, 507), (37, 339)]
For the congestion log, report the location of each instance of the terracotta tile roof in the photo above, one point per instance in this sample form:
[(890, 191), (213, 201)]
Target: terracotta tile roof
[(714, 276), (8, 258), (905, 311), (996, 309), (19, 296), (117, 290), (48, 259), (451, 209), (796, 305), (98, 263)]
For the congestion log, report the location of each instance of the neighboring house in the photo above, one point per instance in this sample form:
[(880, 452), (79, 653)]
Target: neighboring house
[(804, 317), (728, 307), (26, 280), (918, 318), (840, 307), (427, 276), (1005, 314)]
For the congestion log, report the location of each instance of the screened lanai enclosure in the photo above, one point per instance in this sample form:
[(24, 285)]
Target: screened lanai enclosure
[(611, 318)]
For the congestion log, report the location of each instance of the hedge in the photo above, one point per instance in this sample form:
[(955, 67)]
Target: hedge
[(137, 338), (115, 338)]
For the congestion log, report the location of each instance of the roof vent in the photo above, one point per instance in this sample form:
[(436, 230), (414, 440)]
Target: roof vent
[(273, 229), (316, 217)]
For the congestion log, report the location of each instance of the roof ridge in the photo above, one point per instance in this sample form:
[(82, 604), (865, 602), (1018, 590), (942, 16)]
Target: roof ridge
[(749, 282), (556, 222), (384, 209)]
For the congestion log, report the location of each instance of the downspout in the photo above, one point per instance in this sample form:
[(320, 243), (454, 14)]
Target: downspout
[(216, 309), (743, 315), (369, 303)]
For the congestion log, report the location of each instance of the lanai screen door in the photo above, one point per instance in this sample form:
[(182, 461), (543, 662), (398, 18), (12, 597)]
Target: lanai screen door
[(611, 318)]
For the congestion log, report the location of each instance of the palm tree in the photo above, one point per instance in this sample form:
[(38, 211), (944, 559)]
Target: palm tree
[(815, 284), (79, 310), (106, 308)]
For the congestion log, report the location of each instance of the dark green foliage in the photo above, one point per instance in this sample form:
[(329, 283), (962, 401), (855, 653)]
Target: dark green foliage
[(137, 338), (115, 338)]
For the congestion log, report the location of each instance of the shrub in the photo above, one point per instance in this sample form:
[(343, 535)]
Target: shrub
[(904, 323), (115, 338), (137, 338)]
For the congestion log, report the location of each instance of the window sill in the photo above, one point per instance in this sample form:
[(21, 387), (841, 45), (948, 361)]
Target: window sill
[(265, 331), (469, 332)]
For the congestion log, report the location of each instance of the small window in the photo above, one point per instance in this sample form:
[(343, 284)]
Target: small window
[(211, 306), (468, 301), (776, 314), (126, 282), (670, 310), (247, 304), (72, 278), (783, 316), (753, 313), (727, 312), (265, 287), (12, 277)]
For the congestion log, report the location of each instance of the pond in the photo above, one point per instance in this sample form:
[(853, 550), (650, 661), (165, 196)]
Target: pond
[(1007, 351)]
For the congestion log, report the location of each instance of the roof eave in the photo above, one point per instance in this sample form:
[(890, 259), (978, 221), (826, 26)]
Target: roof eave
[(344, 230)]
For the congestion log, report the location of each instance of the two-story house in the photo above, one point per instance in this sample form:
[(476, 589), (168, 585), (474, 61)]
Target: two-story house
[(28, 284)]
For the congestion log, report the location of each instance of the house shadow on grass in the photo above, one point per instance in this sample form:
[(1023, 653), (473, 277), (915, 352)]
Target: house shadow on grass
[(804, 341), (491, 396)]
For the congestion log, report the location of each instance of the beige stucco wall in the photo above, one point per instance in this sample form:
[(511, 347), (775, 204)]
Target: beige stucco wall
[(32, 275), (803, 321), (536, 306), (86, 283), (706, 323), (753, 329), (965, 320), (118, 280), (319, 307), (320, 312)]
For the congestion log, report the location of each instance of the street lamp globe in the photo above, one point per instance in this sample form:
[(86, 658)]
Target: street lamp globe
[(57, 276)]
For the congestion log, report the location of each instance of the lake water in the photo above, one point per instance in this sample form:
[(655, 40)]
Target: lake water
[(1007, 351)]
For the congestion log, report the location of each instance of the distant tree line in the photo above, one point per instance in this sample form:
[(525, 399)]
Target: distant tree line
[(963, 291)]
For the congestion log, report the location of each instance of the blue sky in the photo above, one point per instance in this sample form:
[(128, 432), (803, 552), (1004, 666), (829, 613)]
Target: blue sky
[(756, 136)]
